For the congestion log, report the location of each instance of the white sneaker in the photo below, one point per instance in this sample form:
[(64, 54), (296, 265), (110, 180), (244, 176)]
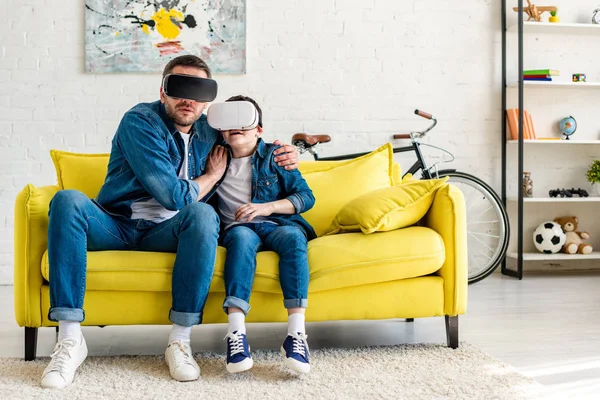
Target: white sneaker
[(182, 365), (66, 358)]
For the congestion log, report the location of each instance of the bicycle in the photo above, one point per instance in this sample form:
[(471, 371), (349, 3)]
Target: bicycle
[(487, 221)]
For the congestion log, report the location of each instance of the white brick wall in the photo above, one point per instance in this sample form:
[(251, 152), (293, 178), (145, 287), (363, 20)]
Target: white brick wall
[(353, 69)]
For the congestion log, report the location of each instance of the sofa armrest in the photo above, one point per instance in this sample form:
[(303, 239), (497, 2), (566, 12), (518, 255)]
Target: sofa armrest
[(30, 241), (447, 216)]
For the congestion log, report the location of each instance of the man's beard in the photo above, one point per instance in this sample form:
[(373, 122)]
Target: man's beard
[(179, 120)]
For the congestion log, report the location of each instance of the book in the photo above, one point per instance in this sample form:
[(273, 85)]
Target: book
[(537, 76), (512, 115), (526, 78), (529, 120), (555, 72)]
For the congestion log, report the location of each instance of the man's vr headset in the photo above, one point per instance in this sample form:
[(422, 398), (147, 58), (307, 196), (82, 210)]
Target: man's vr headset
[(188, 87), (233, 115)]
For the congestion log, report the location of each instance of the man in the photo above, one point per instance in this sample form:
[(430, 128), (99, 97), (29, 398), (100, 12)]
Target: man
[(163, 164)]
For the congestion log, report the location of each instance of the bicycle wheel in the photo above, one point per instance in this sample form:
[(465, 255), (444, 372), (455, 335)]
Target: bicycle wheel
[(487, 224)]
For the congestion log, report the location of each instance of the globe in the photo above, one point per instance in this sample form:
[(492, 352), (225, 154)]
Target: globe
[(567, 126)]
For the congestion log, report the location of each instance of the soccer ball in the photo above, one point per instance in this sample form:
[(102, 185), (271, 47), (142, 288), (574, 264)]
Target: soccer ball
[(549, 237)]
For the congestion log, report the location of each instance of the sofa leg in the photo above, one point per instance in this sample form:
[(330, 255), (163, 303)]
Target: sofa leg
[(31, 335), (452, 331), (409, 319)]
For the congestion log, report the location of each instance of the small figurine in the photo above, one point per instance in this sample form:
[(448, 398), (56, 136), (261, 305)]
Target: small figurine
[(535, 12)]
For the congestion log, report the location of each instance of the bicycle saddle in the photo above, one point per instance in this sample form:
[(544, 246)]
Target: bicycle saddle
[(310, 139)]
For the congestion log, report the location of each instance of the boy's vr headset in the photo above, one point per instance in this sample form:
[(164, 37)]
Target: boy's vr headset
[(188, 87), (233, 115)]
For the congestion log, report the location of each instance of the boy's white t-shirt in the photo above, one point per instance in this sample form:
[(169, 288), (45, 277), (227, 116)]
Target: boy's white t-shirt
[(152, 210), (236, 190)]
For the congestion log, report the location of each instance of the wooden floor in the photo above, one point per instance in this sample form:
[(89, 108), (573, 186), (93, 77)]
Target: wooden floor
[(548, 326)]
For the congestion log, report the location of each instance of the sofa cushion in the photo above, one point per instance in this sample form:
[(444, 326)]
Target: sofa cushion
[(343, 182), (336, 261), (388, 208), (84, 172)]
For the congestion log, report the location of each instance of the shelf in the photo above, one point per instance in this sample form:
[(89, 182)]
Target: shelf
[(554, 142), (594, 255), (557, 28), (546, 84), (590, 199)]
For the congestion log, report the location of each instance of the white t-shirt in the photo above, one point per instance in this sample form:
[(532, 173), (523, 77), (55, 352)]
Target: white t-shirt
[(152, 210), (236, 190)]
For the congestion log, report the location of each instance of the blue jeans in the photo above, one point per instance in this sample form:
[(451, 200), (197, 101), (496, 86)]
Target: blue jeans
[(244, 241), (77, 224)]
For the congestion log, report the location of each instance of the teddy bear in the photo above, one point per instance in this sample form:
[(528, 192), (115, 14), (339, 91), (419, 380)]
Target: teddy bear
[(574, 243)]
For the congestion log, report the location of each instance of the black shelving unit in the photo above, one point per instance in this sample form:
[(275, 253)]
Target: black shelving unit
[(518, 273)]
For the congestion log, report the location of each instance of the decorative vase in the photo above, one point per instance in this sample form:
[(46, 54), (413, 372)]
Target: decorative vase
[(596, 189), (527, 185), (554, 19)]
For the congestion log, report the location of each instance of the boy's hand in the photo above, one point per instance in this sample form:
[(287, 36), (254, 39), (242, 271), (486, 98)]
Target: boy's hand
[(251, 210), (217, 162), (288, 157)]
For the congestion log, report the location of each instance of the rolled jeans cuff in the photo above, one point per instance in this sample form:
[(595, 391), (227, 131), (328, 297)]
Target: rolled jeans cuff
[(66, 314), (231, 301), (185, 318), (295, 303)]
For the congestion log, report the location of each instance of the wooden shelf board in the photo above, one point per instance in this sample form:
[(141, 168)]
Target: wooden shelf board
[(559, 84), (557, 28), (590, 199), (595, 255)]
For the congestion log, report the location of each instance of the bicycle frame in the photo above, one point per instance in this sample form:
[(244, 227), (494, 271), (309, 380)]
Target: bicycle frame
[(415, 146)]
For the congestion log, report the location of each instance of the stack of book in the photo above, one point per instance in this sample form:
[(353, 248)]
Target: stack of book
[(540, 74), (512, 115)]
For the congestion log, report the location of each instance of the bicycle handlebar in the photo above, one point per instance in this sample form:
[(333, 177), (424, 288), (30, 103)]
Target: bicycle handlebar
[(402, 136), (423, 114)]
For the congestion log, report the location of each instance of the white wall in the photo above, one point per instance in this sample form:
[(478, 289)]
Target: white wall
[(353, 69)]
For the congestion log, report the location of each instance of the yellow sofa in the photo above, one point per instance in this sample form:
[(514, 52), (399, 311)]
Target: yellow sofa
[(411, 272)]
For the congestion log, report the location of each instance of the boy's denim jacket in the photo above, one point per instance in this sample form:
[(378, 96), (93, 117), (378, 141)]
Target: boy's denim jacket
[(147, 151), (270, 182)]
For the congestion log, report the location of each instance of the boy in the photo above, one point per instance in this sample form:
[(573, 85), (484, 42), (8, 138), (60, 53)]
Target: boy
[(259, 204)]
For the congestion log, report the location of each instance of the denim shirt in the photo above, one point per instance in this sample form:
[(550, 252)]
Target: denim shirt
[(270, 182), (146, 155)]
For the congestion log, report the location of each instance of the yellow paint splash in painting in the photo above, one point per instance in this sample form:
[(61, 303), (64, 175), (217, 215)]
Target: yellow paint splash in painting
[(145, 29), (164, 24)]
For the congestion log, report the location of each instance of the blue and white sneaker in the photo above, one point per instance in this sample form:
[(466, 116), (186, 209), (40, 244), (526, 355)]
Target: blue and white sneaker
[(296, 352), (238, 353)]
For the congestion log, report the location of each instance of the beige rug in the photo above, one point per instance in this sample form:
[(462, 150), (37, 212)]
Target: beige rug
[(391, 372)]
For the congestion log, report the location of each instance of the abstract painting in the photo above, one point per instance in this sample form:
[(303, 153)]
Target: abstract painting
[(143, 35)]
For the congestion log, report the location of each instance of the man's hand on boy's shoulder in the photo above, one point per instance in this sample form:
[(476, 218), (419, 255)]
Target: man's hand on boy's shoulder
[(217, 162), (286, 156)]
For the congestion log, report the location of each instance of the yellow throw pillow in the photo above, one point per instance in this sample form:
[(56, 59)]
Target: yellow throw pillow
[(387, 209), (397, 173), (407, 178), (345, 181), (308, 167), (83, 172)]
